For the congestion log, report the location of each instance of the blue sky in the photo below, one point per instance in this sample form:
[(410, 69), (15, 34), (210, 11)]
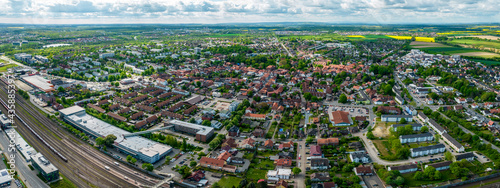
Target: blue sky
[(248, 11)]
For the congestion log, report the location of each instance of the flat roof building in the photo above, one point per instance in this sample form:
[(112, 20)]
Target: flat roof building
[(137, 146), (202, 133), (48, 170), (5, 178), (38, 82)]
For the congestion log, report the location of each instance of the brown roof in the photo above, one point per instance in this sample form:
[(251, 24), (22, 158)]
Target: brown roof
[(328, 141), (340, 117), (211, 162), (140, 124), (114, 107), (283, 162), (364, 169), (99, 109), (136, 115), (116, 116)]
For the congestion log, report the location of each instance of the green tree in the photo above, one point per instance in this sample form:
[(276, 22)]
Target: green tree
[(206, 123), (448, 156), (296, 170), (343, 98), (147, 166), (429, 172), (110, 139), (418, 175), (424, 129), (99, 141), (192, 164), (399, 180), (403, 121)]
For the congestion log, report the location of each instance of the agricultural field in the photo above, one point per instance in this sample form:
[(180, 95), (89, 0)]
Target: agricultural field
[(489, 37), (416, 44), (479, 54), (477, 43), (355, 36), (420, 39), (314, 37)]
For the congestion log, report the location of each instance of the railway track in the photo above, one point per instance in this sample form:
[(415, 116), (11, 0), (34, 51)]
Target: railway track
[(84, 165)]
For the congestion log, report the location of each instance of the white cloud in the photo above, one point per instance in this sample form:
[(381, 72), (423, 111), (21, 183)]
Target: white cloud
[(220, 11)]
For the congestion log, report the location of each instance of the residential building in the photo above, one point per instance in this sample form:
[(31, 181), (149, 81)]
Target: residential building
[(440, 166), (360, 157), (396, 118), (280, 173), (415, 126), (280, 163), (403, 169), (320, 164), (453, 143), (424, 137), (467, 156), (434, 125), (363, 171), (328, 141), (427, 150)]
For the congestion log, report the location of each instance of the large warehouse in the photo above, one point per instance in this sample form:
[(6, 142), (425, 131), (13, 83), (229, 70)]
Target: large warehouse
[(136, 146), (202, 133), (38, 82)]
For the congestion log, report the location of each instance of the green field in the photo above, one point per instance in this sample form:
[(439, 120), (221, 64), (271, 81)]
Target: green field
[(448, 50), (377, 37), (486, 62), (489, 44), (4, 68)]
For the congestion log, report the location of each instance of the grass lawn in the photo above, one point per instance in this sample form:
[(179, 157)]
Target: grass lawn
[(265, 164), (64, 183), (4, 68), (409, 181), (381, 147), (256, 174), (229, 181)]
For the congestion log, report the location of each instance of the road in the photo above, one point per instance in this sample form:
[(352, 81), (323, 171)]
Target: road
[(29, 177), (301, 150), (15, 62), (85, 166)]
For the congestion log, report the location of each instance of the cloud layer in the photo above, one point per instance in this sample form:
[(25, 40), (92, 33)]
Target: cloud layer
[(227, 11)]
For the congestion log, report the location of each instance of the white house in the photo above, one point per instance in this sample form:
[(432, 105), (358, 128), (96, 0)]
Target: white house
[(281, 173), (427, 150), (424, 137)]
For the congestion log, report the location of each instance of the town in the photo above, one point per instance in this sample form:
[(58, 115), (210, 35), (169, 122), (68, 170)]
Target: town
[(253, 106)]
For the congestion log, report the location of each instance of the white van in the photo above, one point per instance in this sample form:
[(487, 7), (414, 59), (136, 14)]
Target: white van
[(106, 167)]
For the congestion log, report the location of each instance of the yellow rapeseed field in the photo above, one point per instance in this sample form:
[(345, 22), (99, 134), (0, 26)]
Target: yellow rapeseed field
[(420, 39)]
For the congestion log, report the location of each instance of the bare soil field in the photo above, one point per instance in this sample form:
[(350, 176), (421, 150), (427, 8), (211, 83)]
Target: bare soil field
[(417, 44), (381, 129), (481, 37)]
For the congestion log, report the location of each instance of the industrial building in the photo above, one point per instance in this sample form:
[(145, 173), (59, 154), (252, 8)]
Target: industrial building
[(202, 133), (136, 146), (48, 170), (39, 82)]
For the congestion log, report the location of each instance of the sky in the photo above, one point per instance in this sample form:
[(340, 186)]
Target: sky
[(249, 11)]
